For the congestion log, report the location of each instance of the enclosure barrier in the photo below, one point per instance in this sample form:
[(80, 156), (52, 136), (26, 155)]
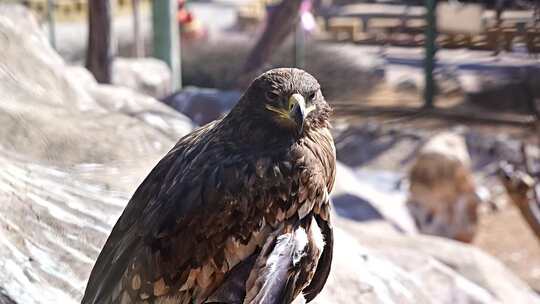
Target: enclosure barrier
[(401, 25)]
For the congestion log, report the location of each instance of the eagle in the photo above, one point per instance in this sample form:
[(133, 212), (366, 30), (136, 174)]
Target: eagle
[(238, 211)]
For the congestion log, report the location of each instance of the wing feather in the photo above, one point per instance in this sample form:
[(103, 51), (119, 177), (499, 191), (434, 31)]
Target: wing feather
[(325, 261), (142, 226)]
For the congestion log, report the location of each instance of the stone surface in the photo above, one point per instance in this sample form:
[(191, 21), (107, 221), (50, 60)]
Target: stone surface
[(149, 76), (58, 219), (75, 114), (63, 141), (74, 151), (424, 269), (203, 105), (371, 196)]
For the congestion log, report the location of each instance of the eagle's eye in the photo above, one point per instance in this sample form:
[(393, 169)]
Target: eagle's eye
[(312, 96), (271, 96)]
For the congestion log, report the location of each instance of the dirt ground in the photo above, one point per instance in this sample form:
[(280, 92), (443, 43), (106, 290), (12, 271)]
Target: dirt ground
[(503, 232), (505, 235)]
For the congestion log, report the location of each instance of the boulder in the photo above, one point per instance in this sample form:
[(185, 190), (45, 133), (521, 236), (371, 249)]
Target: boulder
[(371, 196), (65, 140), (75, 114), (390, 267), (4, 298), (52, 228), (149, 76), (58, 219), (75, 150), (372, 145), (202, 105)]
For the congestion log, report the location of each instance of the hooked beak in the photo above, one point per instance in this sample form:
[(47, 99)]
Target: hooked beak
[(297, 110)]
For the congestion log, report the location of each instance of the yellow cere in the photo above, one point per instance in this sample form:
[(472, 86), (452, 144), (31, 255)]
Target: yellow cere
[(282, 113)]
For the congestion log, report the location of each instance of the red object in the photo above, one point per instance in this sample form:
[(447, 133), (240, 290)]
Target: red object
[(183, 16), (189, 17)]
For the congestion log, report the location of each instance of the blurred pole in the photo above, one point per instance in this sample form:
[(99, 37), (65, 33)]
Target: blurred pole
[(299, 46), (99, 55), (50, 20), (137, 37), (166, 32), (499, 7), (430, 50)]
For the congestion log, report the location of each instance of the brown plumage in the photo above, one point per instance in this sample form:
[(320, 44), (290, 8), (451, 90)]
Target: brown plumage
[(237, 212)]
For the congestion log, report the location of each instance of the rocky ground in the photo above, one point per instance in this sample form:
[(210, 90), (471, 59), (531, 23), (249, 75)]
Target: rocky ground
[(502, 230), (72, 152)]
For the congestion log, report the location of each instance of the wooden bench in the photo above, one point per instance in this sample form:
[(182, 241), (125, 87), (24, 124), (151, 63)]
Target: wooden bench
[(249, 17), (344, 28), (415, 26), (386, 26)]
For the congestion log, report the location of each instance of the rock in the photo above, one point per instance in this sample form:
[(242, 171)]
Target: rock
[(89, 138), (70, 165), (21, 37), (372, 199), (442, 197), (75, 114), (384, 266), (67, 218), (203, 105), (149, 76), (143, 108), (372, 263), (373, 145), (53, 227), (4, 298)]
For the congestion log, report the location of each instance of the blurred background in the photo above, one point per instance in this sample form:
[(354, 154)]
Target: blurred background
[(436, 124)]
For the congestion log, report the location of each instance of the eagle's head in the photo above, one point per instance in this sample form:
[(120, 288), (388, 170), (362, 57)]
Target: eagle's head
[(288, 100)]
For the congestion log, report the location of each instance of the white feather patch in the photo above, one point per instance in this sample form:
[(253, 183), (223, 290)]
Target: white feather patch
[(300, 299), (300, 244), (270, 274), (317, 236)]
